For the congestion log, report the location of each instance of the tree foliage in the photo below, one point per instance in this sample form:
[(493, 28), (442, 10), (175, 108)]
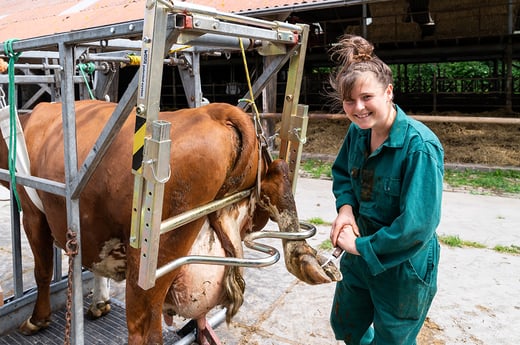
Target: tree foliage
[(455, 76)]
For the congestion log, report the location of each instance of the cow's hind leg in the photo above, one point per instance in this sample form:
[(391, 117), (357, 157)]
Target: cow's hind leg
[(41, 241), (205, 334), (100, 298)]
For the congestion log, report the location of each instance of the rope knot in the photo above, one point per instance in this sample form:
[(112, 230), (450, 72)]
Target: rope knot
[(8, 49)]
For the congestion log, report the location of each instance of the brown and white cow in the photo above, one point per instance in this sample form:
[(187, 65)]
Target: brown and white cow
[(214, 153)]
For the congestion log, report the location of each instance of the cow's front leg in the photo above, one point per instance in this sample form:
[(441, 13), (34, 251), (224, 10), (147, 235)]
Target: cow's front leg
[(144, 307), (300, 259), (41, 243), (205, 333), (144, 315), (100, 298)]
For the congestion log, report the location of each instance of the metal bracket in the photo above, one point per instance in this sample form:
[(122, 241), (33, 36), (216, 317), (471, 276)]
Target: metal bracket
[(297, 138), (148, 96), (290, 109), (156, 172)]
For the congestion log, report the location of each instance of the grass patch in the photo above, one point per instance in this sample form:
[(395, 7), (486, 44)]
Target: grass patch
[(456, 241), (450, 241), (317, 168), (318, 221), (326, 245), (507, 249), (498, 181)]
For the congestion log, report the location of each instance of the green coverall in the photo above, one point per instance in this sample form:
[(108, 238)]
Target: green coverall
[(396, 195)]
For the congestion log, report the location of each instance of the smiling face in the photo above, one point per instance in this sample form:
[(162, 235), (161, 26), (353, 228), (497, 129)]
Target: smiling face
[(370, 103)]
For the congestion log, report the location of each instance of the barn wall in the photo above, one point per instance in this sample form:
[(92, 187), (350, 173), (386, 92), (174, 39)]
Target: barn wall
[(453, 20)]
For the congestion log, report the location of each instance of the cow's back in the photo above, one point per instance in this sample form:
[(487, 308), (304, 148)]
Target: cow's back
[(213, 153)]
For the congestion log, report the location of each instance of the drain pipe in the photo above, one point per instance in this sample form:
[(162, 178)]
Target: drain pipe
[(214, 322)]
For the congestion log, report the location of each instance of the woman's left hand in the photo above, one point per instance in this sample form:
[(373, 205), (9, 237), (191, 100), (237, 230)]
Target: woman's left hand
[(347, 240)]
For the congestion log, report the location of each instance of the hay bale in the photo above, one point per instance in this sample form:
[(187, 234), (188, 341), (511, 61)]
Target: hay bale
[(397, 32)]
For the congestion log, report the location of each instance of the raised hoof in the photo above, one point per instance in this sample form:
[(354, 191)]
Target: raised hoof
[(98, 310), (29, 328), (329, 268), (306, 264)]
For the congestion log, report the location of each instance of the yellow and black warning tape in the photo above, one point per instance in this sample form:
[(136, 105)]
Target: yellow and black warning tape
[(138, 149)]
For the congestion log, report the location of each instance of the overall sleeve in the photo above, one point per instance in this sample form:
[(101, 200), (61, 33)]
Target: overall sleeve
[(420, 209)]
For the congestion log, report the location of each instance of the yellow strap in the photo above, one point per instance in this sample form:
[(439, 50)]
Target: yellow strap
[(256, 120), (134, 60)]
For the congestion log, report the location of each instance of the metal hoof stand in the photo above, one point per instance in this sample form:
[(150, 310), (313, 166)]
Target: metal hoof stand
[(109, 330), (174, 34)]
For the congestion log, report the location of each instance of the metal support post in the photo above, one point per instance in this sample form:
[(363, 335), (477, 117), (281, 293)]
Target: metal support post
[(156, 172), (72, 204), (190, 77), (148, 98), (57, 269), (297, 137), (292, 95), (16, 239), (269, 72)]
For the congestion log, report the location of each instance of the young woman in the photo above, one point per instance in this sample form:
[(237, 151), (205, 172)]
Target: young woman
[(387, 180)]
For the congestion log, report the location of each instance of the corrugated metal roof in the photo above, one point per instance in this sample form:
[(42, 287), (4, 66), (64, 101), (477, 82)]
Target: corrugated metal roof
[(32, 18)]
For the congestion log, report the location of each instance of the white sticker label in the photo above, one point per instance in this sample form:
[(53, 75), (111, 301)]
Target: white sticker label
[(144, 73)]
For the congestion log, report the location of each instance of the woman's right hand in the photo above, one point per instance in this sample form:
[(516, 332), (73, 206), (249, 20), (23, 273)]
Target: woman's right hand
[(344, 219)]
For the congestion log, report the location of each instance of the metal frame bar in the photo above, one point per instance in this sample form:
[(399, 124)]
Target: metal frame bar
[(249, 241), (290, 150), (107, 136), (71, 168)]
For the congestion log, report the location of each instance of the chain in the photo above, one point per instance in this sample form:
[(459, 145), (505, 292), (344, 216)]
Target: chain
[(72, 250)]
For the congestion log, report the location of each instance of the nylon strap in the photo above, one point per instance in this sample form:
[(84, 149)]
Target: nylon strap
[(13, 57)]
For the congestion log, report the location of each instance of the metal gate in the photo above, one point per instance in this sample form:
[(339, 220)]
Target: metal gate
[(173, 34)]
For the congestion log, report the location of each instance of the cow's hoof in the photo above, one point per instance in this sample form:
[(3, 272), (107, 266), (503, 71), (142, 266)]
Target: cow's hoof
[(98, 309), (310, 270), (330, 269), (305, 264), (29, 328)]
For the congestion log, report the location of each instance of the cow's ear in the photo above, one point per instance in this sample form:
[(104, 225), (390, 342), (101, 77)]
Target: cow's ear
[(260, 218)]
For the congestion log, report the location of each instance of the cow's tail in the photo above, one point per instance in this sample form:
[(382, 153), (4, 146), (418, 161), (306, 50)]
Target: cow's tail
[(234, 283), (243, 171)]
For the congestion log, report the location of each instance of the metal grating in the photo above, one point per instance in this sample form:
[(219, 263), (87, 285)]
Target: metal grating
[(108, 330)]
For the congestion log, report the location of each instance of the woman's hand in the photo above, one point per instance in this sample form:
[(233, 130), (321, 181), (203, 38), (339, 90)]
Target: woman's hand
[(345, 230), (347, 240)]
